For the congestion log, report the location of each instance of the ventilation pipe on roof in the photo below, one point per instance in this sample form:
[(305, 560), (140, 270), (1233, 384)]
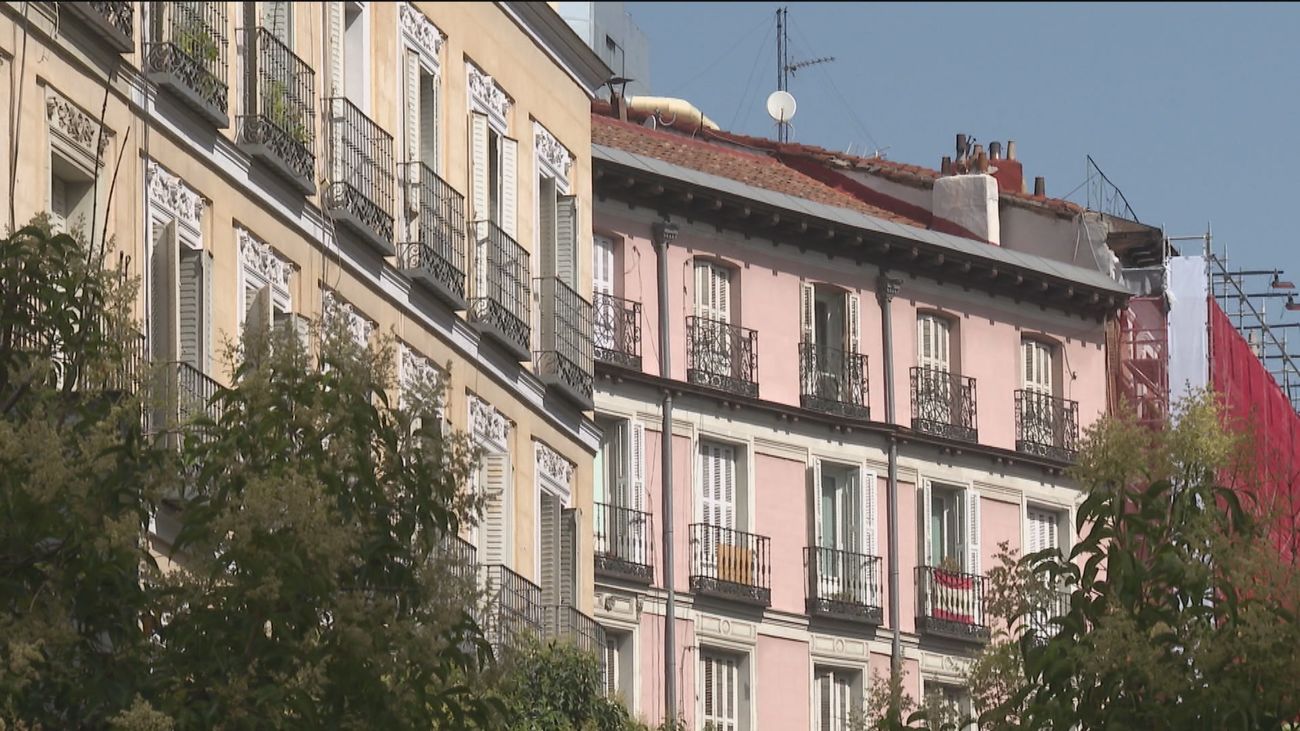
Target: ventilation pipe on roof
[(672, 112)]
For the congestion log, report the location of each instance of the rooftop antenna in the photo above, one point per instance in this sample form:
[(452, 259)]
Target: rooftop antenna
[(784, 70)]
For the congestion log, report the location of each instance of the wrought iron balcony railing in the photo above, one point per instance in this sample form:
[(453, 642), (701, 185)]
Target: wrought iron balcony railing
[(1054, 604), (833, 381), (622, 543), (31, 335), (1046, 426), (186, 54), (499, 297), (182, 393), (461, 556), (943, 404), (843, 585), (731, 564), (951, 604), (617, 331), (433, 253), (721, 355), (278, 124), (563, 622), (360, 192), (112, 21), (513, 609), (564, 358)]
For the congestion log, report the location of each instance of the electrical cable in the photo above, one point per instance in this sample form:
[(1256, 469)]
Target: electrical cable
[(13, 119), (683, 86), (862, 127), (748, 82)]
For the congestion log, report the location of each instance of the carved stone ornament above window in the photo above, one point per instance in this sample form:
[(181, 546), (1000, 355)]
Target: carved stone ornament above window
[(484, 90), (552, 465), (77, 126), (172, 194), (488, 424), (551, 151), (415, 370), (421, 31), (257, 256), (357, 324)]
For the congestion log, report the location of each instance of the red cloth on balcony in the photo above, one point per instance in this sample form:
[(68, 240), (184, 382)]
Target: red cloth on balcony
[(952, 616), (952, 580)]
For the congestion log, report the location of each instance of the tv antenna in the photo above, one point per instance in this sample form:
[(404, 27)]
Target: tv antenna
[(785, 68)]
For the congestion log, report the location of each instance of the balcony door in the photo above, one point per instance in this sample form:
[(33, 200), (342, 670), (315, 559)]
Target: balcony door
[(829, 319), (718, 511), (935, 391), (844, 515), (1037, 425), (713, 346), (602, 286)]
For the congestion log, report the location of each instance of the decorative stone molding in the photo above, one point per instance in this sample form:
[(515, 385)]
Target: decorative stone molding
[(727, 629), (78, 127), (488, 424), (945, 667), (258, 257), (357, 324), (484, 91), (173, 195), (618, 606), (840, 648), (416, 368), (552, 465), (551, 152), (421, 31)]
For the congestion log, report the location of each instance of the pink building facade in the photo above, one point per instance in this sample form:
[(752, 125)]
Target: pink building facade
[(781, 290)]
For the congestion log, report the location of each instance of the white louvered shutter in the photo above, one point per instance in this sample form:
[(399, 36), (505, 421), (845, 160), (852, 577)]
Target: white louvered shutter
[(566, 240), (712, 291), (1043, 527), (495, 528), (478, 156), (611, 664), (853, 326), (206, 332), (411, 107), (510, 187), (819, 534), (727, 472), (602, 269), (824, 701), (549, 547), (164, 323), (637, 459), (721, 707), (277, 17), (869, 512), (430, 113), (972, 530), (547, 243), (334, 20), (569, 556), (1037, 359), (932, 339), (927, 519), (190, 314), (807, 312)]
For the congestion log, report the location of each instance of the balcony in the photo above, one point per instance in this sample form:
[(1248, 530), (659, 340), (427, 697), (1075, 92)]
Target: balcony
[(1046, 426), (114, 22), (1054, 604), (943, 404), (434, 252), (617, 333), (563, 622), (279, 122), (564, 359), (622, 543), (843, 585), (833, 381), (513, 607), (182, 394), (186, 55), (461, 555), (32, 334), (731, 564), (722, 356), (951, 604), (360, 191), (499, 298)]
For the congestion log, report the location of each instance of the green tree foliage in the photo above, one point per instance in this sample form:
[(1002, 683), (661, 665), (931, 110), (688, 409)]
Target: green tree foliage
[(1180, 614), (554, 686)]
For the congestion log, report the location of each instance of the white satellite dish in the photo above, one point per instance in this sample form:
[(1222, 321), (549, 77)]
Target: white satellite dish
[(781, 106)]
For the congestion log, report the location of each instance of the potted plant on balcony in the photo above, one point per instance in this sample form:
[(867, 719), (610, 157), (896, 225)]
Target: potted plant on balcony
[(194, 39), (277, 108)]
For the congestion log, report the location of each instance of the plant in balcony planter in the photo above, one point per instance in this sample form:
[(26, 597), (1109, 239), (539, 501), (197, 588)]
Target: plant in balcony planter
[(194, 39), (276, 107)]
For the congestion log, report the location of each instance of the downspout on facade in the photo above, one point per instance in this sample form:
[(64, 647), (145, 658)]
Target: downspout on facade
[(886, 289), (663, 233)]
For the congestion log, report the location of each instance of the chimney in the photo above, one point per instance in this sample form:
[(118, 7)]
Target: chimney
[(617, 105), (995, 150), (945, 167), (969, 201), (961, 148), (1040, 187), (1010, 174), (1011, 149)]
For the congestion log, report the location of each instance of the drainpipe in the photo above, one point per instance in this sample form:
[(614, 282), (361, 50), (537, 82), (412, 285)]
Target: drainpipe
[(664, 232), (886, 288)]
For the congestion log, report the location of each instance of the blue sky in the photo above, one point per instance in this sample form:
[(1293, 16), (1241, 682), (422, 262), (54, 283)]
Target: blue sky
[(1192, 110)]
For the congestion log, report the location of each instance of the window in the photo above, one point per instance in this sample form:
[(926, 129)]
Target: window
[(557, 549), (846, 507), (180, 284), (492, 533), (718, 493), (951, 527), (557, 231), (950, 705), (1037, 358), (602, 269), (620, 465), (720, 691), (712, 291), (1043, 530), (829, 317), (71, 196), (493, 174), (932, 342), (264, 286), (277, 17), (422, 106), (836, 694), (619, 667), (195, 316)]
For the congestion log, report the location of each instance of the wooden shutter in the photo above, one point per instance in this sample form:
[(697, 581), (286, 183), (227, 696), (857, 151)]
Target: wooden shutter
[(549, 547), (277, 17), (927, 507), (1043, 527), (164, 325), (430, 110), (1037, 359), (721, 681), (496, 481), (546, 221), (611, 664), (205, 346), (190, 310), (718, 468), (712, 291), (972, 530), (569, 557), (853, 326), (411, 106), (819, 539), (808, 311), (510, 187), (869, 512), (602, 267), (823, 701), (478, 174), (636, 459), (932, 342), (334, 22), (566, 239)]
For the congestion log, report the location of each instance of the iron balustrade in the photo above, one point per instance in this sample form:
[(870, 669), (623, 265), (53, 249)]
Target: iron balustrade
[(186, 54), (622, 543), (943, 404), (617, 331), (721, 355), (434, 251), (1053, 604), (32, 334), (279, 121), (563, 622), (461, 556), (514, 606), (182, 393), (564, 358), (843, 584), (499, 297), (731, 564), (114, 21), (951, 603), (360, 191), (1046, 426), (833, 381)]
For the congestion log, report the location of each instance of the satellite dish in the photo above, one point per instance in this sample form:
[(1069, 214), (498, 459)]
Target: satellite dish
[(781, 106)]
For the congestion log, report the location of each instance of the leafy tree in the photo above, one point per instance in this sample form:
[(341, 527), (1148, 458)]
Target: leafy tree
[(555, 686), (1180, 613)]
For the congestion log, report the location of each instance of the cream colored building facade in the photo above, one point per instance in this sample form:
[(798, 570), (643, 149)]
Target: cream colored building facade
[(422, 169)]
